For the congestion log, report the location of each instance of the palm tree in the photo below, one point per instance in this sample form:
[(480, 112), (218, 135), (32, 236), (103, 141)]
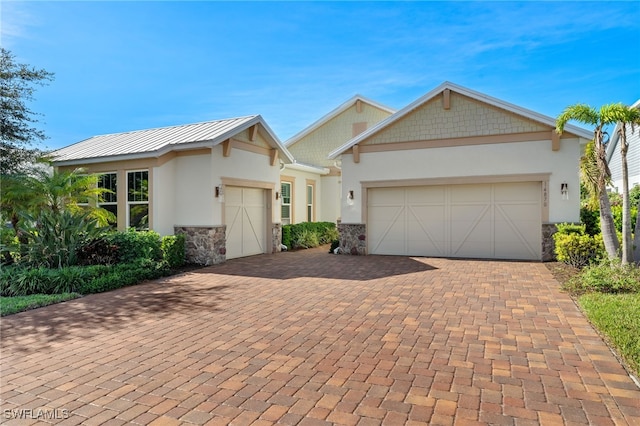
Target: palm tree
[(626, 116), (599, 119)]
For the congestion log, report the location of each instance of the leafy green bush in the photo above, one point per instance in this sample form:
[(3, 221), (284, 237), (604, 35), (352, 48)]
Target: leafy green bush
[(133, 245), (324, 232), (173, 250), (617, 216), (591, 219), (608, 276), (56, 237), (123, 275), (576, 248), (306, 239)]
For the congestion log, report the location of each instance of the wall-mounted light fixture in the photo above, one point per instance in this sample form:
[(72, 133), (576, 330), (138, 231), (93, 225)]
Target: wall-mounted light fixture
[(350, 197), (220, 193), (277, 195), (564, 190)]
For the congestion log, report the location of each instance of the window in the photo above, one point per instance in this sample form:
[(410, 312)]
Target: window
[(109, 199), (138, 199), (285, 198), (309, 203)]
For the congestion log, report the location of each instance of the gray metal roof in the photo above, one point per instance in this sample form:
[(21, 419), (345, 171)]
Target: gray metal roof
[(153, 142)]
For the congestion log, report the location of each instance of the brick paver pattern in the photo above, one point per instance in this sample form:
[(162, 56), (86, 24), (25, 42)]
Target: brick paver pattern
[(310, 338)]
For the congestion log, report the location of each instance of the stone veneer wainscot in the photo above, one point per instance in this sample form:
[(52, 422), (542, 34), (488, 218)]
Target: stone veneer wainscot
[(204, 245)]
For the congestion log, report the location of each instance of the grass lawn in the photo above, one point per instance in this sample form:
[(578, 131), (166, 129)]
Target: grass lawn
[(12, 305), (617, 316)]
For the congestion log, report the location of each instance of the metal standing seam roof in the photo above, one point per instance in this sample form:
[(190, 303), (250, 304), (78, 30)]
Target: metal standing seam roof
[(159, 140)]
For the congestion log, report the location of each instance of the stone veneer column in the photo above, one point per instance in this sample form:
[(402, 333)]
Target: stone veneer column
[(276, 237), (204, 245), (548, 245), (353, 238)]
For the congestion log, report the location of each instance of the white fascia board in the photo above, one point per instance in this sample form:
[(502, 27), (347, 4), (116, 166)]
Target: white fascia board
[(307, 168), (279, 145), (582, 133)]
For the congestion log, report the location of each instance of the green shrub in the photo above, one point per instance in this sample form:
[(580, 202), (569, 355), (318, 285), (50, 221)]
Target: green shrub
[(56, 237), (173, 250), (24, 281), (576, 248), (306, 239), (617, 217), (606, 277), (300, 234), (591, 219), (133, 245), (126, 274)]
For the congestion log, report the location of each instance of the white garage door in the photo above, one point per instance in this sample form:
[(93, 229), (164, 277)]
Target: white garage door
[(245, 217), (499, 221)]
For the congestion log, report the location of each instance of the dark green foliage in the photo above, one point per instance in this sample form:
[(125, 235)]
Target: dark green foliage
[(606, 277), (591, 219), (21, 281), (56, 237), (575, 247), (308, 234), (133, 245), (617, 216), (173, 250), (98, 252)]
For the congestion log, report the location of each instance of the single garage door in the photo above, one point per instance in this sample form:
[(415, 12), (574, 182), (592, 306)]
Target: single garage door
[(245, 217), (494, 221)]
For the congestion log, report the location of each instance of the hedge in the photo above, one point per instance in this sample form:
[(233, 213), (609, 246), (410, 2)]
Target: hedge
[(308, 234)]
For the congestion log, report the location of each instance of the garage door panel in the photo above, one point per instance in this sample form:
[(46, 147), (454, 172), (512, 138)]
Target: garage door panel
[(477, 220), (245, 217)]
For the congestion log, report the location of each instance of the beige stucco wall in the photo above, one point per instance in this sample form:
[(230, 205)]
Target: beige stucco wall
[(314, 147), (535, 157), (193, 186), (299, 194), (466, 117), (163, 194), (329, 206)]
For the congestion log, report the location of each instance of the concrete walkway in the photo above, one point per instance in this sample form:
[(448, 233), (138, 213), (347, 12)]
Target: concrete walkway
[(310, 338)]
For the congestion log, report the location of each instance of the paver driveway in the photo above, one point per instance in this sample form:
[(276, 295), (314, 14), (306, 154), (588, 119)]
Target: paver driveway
[(310, 338)]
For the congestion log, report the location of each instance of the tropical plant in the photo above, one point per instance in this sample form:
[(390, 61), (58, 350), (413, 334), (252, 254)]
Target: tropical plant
[(605, 116), (626, 116)]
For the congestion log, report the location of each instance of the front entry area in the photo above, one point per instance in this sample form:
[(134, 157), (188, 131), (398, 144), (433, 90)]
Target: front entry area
[(492, 221), (245, 218)]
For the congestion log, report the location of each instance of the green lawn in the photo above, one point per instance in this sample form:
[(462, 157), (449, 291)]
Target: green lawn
[(618, 317), (12, 305)]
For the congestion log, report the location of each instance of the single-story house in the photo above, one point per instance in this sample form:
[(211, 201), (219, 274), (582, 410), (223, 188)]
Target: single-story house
[(217, 182), (311, 185), (457, 173), (633, 156)]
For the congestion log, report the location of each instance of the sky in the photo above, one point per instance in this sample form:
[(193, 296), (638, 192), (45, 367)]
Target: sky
[(122, 66)]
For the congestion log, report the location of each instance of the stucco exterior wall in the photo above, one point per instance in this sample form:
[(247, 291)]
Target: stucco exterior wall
[(466, 117), (329, 206), (163, 195), (193, 191), (243, 165), (299, 194), (534, 157), (313, 148)]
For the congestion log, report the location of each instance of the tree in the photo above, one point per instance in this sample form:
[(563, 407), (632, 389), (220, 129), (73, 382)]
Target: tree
[(626, 116), (18, 136), (599, 119)]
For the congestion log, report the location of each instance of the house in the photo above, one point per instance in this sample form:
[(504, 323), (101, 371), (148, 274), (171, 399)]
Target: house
[(216, 182), (457, 173), (633, 156), (311, 185)]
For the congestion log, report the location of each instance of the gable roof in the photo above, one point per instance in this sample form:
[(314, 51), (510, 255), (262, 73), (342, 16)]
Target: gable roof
[(540, 118), (613, 143), (156, 142), (334, 113)]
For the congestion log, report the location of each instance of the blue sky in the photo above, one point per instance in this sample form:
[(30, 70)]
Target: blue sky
[(123, 66)]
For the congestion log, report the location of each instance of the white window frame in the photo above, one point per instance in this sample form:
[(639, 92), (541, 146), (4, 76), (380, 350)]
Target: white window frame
[(310, 212), (283, 203), (115, 193), (135, 203)]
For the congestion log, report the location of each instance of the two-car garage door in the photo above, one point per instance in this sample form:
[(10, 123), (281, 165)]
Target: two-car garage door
[(497, 220)]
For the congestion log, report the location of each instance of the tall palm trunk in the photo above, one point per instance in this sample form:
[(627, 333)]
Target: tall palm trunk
[(607, 225), (627, 247), (636, 238)]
